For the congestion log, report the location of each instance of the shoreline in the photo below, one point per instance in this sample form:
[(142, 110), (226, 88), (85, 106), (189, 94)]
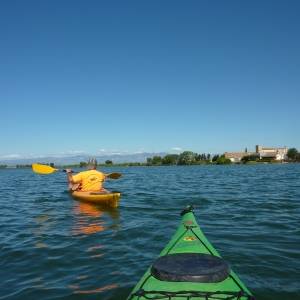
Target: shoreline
[(77, 166)]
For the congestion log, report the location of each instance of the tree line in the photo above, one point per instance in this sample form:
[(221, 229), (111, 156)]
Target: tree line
[(187, 158), (184, 158)]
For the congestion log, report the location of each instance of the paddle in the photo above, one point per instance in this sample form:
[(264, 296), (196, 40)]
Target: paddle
[(113, 175), (44, 169)]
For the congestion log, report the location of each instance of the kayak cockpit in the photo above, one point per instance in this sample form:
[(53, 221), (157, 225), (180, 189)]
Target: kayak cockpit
[(190, 267)]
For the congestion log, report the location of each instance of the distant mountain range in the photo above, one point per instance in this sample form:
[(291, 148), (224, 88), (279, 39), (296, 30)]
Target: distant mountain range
[(76, 159)]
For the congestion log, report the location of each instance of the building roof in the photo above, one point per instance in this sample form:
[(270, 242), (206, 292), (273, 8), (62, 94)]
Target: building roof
[(237, 154), (272, 148)]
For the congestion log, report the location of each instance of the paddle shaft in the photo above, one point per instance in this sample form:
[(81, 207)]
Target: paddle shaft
[(45, 169)]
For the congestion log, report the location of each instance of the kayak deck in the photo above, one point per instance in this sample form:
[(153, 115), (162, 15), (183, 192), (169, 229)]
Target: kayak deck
[(189, 240), (110, 199)]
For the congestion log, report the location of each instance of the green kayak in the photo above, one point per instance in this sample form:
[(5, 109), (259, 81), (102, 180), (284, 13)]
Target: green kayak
[(190, 268)]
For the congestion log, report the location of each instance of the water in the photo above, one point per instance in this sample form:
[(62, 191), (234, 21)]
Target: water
[(53, 247)]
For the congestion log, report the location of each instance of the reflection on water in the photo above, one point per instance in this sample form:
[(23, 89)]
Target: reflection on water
[(97, 290), (94, 251), (87, 209), (41, 245), (89, 218), (43, 224)]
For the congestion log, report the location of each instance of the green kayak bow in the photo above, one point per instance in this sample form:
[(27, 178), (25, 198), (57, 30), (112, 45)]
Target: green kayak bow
[(190, 268)]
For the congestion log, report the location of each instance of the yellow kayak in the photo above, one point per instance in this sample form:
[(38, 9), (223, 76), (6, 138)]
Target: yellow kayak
[(110, 199)]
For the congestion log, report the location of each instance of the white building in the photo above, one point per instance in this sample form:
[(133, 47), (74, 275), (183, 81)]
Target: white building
[(261, 153), (272, 153)]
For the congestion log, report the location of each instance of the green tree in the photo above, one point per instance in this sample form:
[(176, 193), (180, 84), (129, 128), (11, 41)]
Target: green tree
[(82, 164), (170, 159), (252, 157), (200, 157), (108, 162), (149, 161), (215, 157), (197, 157), (156, 160), (223, 161), (187, 158), (292, 153)]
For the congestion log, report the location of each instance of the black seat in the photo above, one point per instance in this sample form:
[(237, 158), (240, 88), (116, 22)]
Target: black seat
[(191, 267)]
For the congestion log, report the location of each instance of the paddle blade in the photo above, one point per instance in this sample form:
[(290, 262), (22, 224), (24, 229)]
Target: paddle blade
[(114, 175), (42, 169)]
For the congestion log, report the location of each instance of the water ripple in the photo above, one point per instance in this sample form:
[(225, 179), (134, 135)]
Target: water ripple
[(53, 247)]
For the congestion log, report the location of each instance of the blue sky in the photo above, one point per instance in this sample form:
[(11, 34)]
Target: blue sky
[(128, 76)]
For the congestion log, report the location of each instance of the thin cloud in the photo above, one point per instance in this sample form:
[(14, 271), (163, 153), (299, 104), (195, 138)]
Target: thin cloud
[(73, 152), (11, 156), (176, 149), (111, 152)]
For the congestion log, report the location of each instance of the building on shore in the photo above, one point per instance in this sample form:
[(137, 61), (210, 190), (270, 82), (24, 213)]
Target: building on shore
[(261, 153), (236, 157), (271, 153)]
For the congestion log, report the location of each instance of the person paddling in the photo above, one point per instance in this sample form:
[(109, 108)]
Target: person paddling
[(87, 181)]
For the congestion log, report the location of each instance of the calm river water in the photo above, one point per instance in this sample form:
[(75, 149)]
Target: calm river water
[(53, 247)]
